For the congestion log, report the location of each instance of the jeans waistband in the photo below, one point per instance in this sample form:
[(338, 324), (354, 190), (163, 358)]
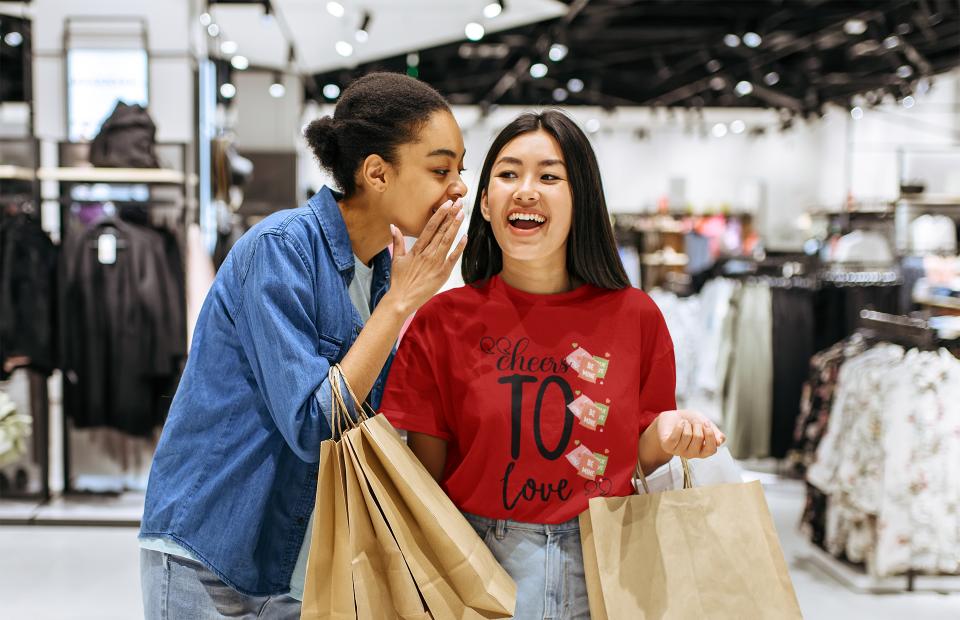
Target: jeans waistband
[(573, 525)]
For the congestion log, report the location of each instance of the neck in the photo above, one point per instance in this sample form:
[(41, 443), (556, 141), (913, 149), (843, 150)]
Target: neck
[(547, 276), (369, 232)]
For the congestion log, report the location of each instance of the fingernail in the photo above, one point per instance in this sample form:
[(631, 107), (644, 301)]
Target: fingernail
[(459, 216), (393, 230)]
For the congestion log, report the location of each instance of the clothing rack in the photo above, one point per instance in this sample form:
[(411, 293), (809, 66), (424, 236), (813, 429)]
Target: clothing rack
[(897, 329), (166, 188)]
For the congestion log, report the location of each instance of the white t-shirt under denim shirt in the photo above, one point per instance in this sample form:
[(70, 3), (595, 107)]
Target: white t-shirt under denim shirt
[(359, 291)]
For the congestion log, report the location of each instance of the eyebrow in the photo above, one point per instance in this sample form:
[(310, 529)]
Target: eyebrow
[(443, 153), (517, 162)]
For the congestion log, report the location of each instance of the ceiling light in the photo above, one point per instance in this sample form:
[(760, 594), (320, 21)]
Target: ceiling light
[(558, 52), (717, 83), (593, 125), (771, 79), (13, 38), (904, 71), (277, 89), (731, 40), (856, 113), (855, 27), (560, 94), (575, 85), (474, 31), (335, 8), (213, 30), (904, 29), (719, 130), (923, 86), (363, 32), (229, 48), (343, 48), (413, 59), (240, 63), (738, 126), (205, 19), (538, 70), (752, 39), (857, 101), (228, 90), (744, 88), (714, 65), (331, 91), (908, 102), (891, 42), (493, 9)]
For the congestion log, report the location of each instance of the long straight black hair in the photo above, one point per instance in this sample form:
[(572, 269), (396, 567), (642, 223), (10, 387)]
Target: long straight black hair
[(592, 255)]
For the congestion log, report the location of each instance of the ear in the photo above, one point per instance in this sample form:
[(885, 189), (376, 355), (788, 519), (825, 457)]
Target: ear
[(484, 208), (374, 172)]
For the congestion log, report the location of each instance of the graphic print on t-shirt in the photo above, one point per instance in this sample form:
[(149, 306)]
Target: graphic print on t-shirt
[(587, 463)]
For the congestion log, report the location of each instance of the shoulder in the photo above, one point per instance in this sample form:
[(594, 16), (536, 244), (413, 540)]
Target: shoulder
[(463, 298), (633, 302)]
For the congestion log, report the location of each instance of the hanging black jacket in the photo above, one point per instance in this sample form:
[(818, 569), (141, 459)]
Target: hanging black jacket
[(28, 267), (124, 328)]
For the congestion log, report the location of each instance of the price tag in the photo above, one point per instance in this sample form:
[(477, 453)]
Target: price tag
[(107, 249)]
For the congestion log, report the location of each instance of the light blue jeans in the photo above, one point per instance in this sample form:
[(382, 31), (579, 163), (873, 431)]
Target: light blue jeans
[(546, 561), (175, 588)]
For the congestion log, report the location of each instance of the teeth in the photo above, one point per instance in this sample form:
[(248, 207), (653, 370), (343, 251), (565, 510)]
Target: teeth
[(529, 217)]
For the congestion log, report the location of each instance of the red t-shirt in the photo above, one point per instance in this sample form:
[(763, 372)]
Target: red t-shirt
[(541, 398)]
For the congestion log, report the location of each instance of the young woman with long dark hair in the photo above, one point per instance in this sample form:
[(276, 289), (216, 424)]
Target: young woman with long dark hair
[(540, 383)]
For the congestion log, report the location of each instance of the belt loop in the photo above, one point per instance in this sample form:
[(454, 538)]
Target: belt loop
[(501, 532)]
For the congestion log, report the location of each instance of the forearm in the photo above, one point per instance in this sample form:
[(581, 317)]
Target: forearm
[(364, 361), (652, 455)]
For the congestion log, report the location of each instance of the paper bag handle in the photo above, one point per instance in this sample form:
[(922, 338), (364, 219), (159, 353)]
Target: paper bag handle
[(338, 407), (687, 477)]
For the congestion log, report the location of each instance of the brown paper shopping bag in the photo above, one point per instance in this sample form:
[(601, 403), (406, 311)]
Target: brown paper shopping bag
[(697, 553), (328, 589), (380, 572), (454, 570)]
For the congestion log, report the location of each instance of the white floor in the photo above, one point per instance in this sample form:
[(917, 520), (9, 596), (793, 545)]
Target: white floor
[(67, 573)]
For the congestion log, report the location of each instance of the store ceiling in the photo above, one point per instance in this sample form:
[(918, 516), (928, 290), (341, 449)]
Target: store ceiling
[(678, 53), (394, 27)]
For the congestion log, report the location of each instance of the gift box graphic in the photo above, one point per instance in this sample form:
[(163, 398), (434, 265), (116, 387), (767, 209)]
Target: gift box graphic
[(589, 464), (590, 414), (588, 367)]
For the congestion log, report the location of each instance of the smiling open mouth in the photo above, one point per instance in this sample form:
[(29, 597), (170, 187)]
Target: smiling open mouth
[(526, 221)]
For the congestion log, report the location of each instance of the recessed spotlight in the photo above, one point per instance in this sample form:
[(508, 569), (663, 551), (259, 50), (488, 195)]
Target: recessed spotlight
[(335, 8), (719, 130), (904, 71), (593, 125), (560, 94), (277, 90), (474, 31), (492, 10), (908, 102), (738, 126), (731, 40), (213, 30), (771, 79), (575, 85), (362, 36), (714, 65), (855, 27), (538, 70), (752, 39), (717, 83), (13, 38), (744, 88), (228, 90), (558, 52), (413, 59), (229, 48), (240, 63), (856, 113), (331, 91), (343, 48), (891, 42), (205, 19)]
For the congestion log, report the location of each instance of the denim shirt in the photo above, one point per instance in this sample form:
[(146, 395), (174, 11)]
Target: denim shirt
[(234, 477)]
